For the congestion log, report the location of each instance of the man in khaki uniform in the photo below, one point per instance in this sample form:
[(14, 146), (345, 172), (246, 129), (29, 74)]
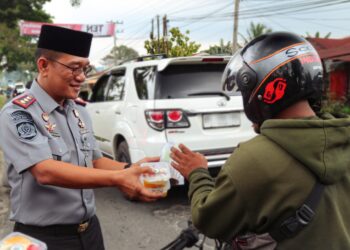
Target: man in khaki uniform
[(52, 156)]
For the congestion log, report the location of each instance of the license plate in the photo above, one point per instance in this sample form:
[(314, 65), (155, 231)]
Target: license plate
[(221, 120)]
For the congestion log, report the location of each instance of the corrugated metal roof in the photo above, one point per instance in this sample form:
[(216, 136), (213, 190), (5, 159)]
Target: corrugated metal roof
[(342, 58), (332, 48)]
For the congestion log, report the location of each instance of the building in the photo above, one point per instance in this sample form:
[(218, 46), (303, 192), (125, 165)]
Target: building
[(335, 55)]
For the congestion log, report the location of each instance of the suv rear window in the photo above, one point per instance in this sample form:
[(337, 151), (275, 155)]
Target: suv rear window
[(179, 81)]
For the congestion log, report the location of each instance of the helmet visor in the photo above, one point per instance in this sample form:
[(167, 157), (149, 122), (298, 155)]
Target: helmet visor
[(229, 77)]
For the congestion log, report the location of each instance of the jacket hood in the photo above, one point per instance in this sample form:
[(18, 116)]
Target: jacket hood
[(320, 143)]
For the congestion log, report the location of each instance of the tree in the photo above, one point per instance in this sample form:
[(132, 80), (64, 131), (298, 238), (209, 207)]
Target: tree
[(75, 3), (17, 52), (179, 44), (13, 11), (318, 35), (121, 53), (221, 49), (256, 30)]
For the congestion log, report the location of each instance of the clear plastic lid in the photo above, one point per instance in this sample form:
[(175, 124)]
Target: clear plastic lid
[(165, 157), (160, 180), (165, 153)]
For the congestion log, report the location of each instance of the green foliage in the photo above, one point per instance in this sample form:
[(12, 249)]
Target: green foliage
[(318, 35), (336, 106), (255, 30), (122, 53), (11, 11), (179, 44), (16, 52), (221, 49), (2, 100), (75, 3)]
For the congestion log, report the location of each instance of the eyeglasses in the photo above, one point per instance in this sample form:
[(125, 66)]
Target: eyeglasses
[(75, 71)]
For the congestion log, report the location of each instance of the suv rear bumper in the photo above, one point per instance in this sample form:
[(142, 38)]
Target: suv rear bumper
[(217, 157)]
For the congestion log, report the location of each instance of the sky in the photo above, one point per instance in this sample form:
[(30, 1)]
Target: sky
[(207, 20)]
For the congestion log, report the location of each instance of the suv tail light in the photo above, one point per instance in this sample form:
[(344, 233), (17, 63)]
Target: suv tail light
[(162, 119)]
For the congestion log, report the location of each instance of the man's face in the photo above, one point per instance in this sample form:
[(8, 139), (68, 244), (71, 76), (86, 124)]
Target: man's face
[(63, 81)]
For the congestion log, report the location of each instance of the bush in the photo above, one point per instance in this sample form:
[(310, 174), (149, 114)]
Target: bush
[(331, 105), (2, 101)]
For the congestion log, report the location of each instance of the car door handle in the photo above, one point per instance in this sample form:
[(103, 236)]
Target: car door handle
[(97, 111)]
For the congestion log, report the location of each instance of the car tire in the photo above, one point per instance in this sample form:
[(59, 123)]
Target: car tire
[(123, 154)]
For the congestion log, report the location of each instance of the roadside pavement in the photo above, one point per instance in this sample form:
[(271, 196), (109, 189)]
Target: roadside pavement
[(5, 225)]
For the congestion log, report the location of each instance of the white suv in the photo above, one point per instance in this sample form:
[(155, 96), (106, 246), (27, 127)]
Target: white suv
[(139, 106)]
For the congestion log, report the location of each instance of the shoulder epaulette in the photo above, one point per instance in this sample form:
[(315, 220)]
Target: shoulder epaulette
[(24, 101), (80, 101)]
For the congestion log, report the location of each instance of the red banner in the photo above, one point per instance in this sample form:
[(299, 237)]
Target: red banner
[(28, 28)]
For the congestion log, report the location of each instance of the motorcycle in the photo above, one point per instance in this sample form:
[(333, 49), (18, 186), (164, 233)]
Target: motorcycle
[(189, 237)]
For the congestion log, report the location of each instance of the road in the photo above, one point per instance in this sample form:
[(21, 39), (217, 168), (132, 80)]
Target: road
[(129, 225)]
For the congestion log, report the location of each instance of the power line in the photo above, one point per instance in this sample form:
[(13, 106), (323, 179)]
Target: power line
[(209, 14), (266, 11)]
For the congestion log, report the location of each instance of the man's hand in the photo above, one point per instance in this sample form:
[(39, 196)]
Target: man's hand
[(148, 159), (185, 161), (132, 187)]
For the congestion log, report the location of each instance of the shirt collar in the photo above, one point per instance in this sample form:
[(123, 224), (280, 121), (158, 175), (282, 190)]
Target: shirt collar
[(47, 103)]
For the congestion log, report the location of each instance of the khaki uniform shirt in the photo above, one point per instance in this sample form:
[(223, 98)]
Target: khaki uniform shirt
[(38, 130)]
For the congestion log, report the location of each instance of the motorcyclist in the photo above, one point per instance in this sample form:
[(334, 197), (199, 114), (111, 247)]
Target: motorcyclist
[(268, 179)]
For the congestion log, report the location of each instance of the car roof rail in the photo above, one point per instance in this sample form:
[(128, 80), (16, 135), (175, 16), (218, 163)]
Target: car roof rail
[(144, 58), (151, 57)]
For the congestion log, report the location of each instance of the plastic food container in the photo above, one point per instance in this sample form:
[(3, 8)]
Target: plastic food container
[(19, 241), (177, 178), (159, 182)]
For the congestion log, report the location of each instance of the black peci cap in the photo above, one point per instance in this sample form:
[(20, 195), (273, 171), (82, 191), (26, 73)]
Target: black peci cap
[(64, 40)]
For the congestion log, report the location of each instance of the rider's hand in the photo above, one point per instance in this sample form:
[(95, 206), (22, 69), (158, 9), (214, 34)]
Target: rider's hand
[(185, 160)]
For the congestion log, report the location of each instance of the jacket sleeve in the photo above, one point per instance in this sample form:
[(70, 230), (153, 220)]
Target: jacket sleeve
[(217, 208)]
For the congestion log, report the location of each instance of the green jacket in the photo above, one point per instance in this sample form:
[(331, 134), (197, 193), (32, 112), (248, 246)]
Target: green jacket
[(268, 177)]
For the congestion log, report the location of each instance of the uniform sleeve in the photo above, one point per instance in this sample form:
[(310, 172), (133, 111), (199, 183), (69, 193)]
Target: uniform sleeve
[(21, 141), (217, 208)]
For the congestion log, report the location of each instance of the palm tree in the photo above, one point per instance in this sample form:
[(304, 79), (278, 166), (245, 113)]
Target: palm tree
[(75, 3), (255, 30), (318, 35)]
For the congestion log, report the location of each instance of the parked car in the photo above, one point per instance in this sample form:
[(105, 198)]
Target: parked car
[(18, 89), (139, 106)]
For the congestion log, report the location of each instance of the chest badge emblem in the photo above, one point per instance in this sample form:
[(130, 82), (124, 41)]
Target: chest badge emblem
[(81, 124), (50, 127), (45, 117), (76, 113)]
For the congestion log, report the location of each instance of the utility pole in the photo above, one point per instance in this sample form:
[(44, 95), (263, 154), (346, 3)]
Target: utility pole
[(151, 36), (158, 35), (235, 26), (165, 34), (115, 59)]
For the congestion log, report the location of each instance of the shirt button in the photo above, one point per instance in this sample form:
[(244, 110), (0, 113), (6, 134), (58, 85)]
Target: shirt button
[(60, 150)]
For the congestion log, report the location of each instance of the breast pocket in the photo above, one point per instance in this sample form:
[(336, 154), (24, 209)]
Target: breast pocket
[(59, 150)]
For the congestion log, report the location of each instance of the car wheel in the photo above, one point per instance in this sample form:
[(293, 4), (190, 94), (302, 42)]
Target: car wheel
[(123, 152)]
